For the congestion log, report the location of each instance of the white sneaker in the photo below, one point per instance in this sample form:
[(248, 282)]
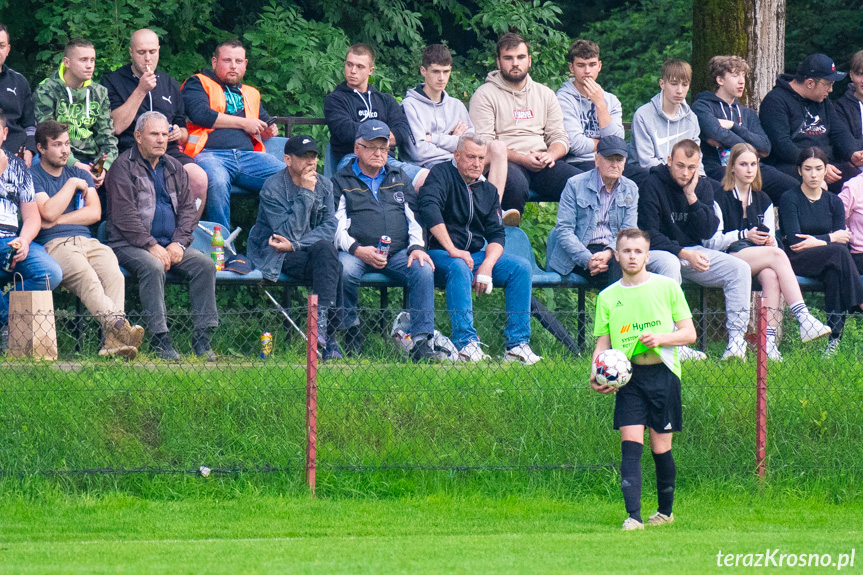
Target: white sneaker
[(473, 352), (832, 349), (511, 217), (686, 353), (522, 353), (631, 524), (736, 349), (811, 328), (773, 353), (660, 519)]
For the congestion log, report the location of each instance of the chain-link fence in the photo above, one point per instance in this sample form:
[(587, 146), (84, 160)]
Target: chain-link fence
[(381, 410)]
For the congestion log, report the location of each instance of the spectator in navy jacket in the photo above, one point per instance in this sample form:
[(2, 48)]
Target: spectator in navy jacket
[(849, 107)]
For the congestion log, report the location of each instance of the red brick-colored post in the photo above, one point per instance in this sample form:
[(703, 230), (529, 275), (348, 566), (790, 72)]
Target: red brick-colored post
[(312, 392)]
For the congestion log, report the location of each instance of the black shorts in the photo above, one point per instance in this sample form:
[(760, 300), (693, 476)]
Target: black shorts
[(651, 398), (178, 154)]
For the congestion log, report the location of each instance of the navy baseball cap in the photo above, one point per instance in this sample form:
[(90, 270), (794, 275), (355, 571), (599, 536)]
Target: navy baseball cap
[(239, 264), (372, 130), (819, 66), (300, 144), (611, 145)]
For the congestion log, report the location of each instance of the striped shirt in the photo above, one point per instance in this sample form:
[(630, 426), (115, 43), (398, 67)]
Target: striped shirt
[(602, 232)]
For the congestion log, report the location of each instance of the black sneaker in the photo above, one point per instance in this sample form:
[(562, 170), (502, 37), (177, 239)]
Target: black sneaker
[(201, 345), (160, 344), (354, 341), (331, 350), (422, 351)]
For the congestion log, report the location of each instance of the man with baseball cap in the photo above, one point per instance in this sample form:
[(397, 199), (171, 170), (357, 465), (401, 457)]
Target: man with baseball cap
[(377, 200), (594, 207), (294, 233), (797, 114)]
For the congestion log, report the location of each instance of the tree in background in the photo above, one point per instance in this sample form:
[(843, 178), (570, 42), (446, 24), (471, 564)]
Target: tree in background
[(752, 29)]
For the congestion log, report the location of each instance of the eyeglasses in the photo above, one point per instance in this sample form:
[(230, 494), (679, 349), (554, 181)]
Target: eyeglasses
[(376, 149)]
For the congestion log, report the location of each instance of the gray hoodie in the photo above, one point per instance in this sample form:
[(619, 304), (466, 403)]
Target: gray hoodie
[(437, 119), (654, 133), (580, 123)]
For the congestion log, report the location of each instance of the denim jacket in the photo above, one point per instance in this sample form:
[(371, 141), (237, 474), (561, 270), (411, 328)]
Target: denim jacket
[(577, 214), (302, 216)]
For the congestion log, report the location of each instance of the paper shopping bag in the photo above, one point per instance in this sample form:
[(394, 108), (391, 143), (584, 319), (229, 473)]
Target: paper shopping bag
[(32, 331)]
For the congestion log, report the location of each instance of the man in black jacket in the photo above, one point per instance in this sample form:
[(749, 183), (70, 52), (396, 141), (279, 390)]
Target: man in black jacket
[(16, 103), (676, 208), (355, 101), (462, 212), (797, 114), (377, 200)]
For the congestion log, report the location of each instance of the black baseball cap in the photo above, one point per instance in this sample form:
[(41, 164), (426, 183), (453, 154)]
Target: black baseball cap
[(299, 145), (610, 146), (819, 66), (372, 130)]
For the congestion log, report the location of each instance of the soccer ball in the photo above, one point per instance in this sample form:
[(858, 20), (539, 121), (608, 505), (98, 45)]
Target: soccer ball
[(612, 368)]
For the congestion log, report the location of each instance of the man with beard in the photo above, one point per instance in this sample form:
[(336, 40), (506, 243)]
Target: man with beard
[(525, 116)]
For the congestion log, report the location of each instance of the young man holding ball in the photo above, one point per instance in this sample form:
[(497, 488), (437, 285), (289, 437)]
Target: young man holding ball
[(645, 316)]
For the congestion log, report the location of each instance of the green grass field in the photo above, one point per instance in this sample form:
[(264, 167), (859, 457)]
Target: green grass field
[(233, 527)]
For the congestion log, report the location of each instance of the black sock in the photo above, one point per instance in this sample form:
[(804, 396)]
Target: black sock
[(630, 477), (666, 472)]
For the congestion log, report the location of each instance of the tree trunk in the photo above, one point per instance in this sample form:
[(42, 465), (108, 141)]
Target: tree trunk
[(753, 29)]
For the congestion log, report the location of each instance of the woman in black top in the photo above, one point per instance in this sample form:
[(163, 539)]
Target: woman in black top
[(747, 230), (813, 223)]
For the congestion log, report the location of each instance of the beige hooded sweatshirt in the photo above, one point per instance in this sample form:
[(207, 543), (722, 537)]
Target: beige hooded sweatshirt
[(525, 120)]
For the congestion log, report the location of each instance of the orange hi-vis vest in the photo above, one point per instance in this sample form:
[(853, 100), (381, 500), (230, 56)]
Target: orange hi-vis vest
[(251, 102)]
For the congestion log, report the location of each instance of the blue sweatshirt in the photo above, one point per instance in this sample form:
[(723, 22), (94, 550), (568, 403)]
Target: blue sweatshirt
[(709, 109)]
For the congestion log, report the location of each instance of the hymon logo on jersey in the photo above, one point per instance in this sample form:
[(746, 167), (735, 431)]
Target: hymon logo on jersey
[(522, 114), (639, 326)]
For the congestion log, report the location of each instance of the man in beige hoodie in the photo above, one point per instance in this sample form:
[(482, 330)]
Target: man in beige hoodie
[(525, 116)]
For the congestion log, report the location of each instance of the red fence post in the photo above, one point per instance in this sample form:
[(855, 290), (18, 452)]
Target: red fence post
[(761, 390), (312, 391)]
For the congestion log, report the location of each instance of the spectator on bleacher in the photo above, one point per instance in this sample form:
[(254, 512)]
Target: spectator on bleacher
[(227, 128), (667, 119), (797, 114), (436, 119), (38, 270), (594, 207), (747, 230), (725, 123), (16, 102), (376, 200), (72, 97), (355, 101), (294, 234), (68, 204), (816, 240), (462, 213), (137, 88), (589, 112), (151, 218), (849, 108), (852, 198), (677, 208), (525, 116)]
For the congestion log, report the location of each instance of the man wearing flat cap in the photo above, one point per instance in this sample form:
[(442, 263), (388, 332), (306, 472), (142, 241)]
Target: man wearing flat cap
[(294, 233), (375, 200), (594, 207), (797, 114)]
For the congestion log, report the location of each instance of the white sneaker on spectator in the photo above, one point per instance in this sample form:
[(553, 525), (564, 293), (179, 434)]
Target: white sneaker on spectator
[(473, 352), (686, 353), (736, 349), (522, 353), (773, 349), (511, 217), (811, 328), (632, 524)]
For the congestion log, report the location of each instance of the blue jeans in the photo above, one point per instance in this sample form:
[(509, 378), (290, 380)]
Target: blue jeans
[(36, 269), (410, 170), (228, 167), (512, 272), (418, 279)]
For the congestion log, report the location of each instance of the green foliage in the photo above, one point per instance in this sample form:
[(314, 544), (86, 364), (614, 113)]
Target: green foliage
[(635, 40), (832, 27)]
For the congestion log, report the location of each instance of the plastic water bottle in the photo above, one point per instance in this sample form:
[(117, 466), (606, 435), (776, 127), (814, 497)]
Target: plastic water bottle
[(217, 248)]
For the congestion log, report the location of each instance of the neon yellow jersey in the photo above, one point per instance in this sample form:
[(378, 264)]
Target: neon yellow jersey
[(625, 312)]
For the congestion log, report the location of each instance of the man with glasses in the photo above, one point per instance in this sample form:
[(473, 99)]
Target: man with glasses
[(376, 200), (797, 114)]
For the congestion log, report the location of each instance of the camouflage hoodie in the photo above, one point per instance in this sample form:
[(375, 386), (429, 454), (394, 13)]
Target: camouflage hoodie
[(86, 110)]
